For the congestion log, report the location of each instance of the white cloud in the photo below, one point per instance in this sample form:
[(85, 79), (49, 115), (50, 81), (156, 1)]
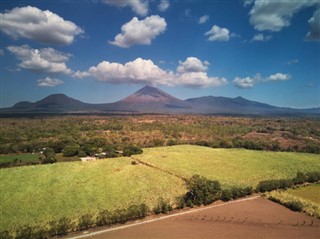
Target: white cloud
[(274, 15), (250, 82), (41, 60), (35, 24), (261, 37), (140, 7), (199, 79), (143, 71), (49, 82), (218, 34), (314, 22), (292, 62), (247, 82), (278, 77), (1, 52), (203, 19), (140, 32), (164, 5), (192, 64)]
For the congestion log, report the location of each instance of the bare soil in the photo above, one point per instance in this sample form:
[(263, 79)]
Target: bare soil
[(257, 218)]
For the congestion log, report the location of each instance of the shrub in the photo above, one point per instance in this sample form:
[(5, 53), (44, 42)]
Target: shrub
[(269, 185), (162, 207), (131, 150), (60, 227), (300, 178), (86, 221), (235, 192), (313, 177), (24, 232), (103, 218), (202, 190), (5, 235), (40, 232)]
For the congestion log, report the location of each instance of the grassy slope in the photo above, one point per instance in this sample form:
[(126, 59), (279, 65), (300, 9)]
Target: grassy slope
[(230, 166), (35, 194), (311, 193)]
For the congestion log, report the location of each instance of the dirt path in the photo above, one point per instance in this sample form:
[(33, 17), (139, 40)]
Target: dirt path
[(252, 217)]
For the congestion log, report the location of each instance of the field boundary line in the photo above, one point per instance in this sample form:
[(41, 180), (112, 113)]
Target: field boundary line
[(161, 218)]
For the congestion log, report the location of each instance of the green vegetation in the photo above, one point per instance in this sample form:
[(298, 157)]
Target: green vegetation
[(105, 191), (305, 199), (231, 167), (38, 194), (76, 135), (19, 160), (310, 192)]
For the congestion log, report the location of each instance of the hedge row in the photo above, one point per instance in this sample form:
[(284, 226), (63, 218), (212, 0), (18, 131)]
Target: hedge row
[(86, 221), (269, 185)]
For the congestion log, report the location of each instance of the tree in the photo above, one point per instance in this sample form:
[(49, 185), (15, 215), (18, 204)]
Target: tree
[(50, 156), (130, 150), (70, 150), (202, 190)]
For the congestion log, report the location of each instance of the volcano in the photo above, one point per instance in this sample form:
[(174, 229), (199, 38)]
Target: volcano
[(153, 100)]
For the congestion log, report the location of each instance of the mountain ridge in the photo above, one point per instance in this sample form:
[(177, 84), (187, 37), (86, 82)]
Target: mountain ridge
[(153, 100)]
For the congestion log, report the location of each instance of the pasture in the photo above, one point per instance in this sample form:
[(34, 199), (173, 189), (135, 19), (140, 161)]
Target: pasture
[(232, 167), (23, 158), (311, 192), (41, 193), (38, 194)]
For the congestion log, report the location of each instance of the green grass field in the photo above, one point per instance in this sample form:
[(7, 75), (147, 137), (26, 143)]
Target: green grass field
[(37, 194), (230, 166), (23, 157), (311, 193)]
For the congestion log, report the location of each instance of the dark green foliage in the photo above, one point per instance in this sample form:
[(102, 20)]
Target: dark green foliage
[(48, 160), (5, 235), (269, 185), (235, 193), (60, 227), (49, 153), (300, 178), (162, 207), (81, 153), (180, 202), (131, 150), (313, 177), (86, 221), (24, 232), (40, 232), (202, 190), (70, 150), (312, 147), (103, 218)]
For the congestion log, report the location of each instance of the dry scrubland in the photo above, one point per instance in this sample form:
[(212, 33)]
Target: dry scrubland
[(36, 194)]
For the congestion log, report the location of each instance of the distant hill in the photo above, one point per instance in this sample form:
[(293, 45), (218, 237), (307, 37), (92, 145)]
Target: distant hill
[(153, 100)]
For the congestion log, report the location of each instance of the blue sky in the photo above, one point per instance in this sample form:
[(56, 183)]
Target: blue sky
[(101, 51)]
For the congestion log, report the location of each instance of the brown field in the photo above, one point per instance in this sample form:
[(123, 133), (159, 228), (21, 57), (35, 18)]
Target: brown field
[(257, 218)]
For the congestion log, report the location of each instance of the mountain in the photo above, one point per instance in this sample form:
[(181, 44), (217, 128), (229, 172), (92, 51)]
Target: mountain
[(150, 100), (56, 103), (153, 100)]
